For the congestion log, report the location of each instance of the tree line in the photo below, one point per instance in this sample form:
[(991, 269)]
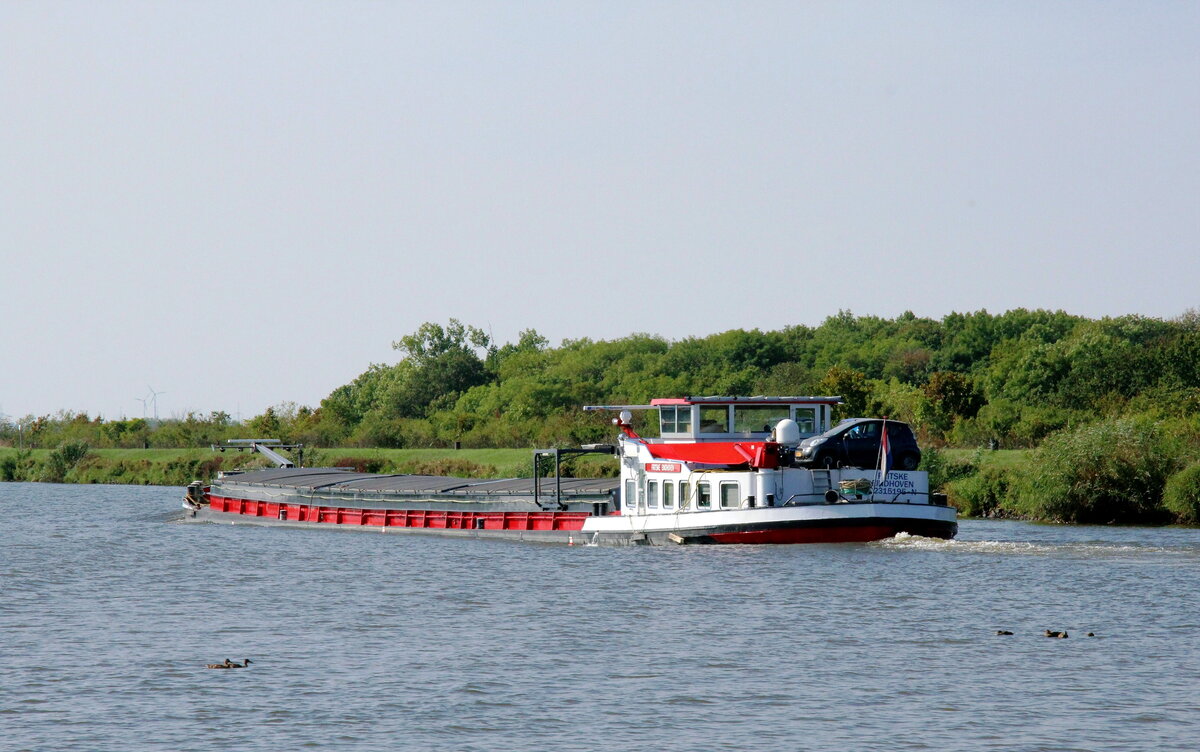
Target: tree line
[(970, 379), (1109, 407)]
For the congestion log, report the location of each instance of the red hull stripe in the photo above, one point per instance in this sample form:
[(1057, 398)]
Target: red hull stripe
[(411, 518), (824, 531)]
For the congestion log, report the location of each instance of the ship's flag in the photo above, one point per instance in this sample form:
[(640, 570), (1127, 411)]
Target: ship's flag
[(885, 454)]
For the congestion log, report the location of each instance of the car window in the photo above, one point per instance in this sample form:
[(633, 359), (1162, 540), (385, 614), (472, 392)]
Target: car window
[(863, 431)]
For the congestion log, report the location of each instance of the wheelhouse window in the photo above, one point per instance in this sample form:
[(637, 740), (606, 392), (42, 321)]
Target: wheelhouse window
[(757, 418), (668, 495), (714, 419), (652, 494), (806, 418), (683, 494), (703, 495), (730, 498), (630, 497), (675, 419)]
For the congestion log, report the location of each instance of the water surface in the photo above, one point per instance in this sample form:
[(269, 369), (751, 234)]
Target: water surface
[(111, 606)]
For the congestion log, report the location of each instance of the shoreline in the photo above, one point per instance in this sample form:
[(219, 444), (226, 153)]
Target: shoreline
[(179, 467)]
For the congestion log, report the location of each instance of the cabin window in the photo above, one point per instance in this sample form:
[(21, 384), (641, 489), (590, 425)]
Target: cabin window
[(668, 495), (683, 494), (630, 500), (703, 496), (806, 418), (666, 419), (714, 419), (730, 498), (675, 419), (757, 418), (652, 494)]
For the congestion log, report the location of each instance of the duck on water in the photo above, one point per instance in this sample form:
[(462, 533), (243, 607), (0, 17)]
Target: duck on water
[(229, 664)]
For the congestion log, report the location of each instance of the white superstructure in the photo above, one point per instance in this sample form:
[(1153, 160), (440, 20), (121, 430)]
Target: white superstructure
[(723, 470)]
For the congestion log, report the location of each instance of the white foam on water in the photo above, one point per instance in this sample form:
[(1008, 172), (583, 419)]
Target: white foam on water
[(1087, 549)]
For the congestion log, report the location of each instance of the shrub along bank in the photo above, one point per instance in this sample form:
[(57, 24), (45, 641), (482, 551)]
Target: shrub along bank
[(1120, 471)]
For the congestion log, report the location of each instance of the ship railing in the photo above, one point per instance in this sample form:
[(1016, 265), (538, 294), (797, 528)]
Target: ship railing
[(833, 496), (558, 453), (265, 447)]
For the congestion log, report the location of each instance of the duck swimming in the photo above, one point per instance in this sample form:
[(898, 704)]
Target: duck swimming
[(245, 662), (227, 664)]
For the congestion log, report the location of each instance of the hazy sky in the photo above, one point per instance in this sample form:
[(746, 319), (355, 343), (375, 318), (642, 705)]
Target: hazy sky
[(245, 203)]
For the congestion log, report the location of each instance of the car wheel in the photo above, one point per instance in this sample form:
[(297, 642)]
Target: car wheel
[(909, 461)]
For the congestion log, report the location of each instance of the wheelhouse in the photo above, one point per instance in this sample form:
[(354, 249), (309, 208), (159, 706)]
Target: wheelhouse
[(692, 419)]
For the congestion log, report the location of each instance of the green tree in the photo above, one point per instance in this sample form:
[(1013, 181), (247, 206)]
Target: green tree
[(851, 386), (440, 363), (265, 426)]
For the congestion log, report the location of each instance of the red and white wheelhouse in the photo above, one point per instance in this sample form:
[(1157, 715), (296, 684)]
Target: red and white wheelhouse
[(723, 470)]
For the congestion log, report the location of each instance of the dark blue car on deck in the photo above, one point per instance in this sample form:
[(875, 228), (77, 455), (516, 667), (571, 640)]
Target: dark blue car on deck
[(855, 443)]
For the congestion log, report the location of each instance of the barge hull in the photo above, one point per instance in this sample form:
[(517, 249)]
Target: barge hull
[(558, 536), (562, 527)]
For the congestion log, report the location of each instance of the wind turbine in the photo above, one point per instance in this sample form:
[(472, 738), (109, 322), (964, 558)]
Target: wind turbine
[(154, 400), (143, 401)]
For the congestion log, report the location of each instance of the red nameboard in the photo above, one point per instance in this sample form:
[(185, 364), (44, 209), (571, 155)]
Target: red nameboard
[(664, 467)]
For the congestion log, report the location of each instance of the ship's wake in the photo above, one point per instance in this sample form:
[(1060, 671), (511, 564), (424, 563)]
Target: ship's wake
[(1082, 549)]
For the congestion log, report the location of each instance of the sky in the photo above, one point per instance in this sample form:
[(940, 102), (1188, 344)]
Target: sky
[(243, 204)]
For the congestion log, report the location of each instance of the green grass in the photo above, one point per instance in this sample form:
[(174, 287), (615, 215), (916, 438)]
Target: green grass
[(1006, 459), (497, 457), (181, 466), (483, 456)]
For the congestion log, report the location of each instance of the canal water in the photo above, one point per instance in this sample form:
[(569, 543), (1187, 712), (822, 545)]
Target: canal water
[(111, 605)]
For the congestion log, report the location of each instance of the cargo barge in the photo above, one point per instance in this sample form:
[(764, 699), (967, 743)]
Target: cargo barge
[(723, 470)]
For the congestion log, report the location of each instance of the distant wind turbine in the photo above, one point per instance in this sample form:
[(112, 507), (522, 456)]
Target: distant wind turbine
[(154, 400)]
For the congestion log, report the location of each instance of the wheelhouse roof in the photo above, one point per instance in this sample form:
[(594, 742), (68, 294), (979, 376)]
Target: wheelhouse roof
[(758, 400)]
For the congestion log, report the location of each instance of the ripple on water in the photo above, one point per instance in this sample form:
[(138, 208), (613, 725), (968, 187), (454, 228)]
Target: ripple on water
[(401, 642)]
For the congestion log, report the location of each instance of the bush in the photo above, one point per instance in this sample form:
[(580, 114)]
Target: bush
[(360, 464), (985, 494), (63, 459), (1182, 495), (1109, 472), (943, 471), (454, 468), (8, 468)]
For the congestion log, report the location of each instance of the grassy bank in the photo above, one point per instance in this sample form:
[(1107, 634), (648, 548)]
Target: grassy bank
[(1105, 479), (178, 467)]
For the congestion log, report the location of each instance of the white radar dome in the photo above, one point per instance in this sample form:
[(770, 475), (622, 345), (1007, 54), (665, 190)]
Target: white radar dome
[(787, 432), (626, 416)]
